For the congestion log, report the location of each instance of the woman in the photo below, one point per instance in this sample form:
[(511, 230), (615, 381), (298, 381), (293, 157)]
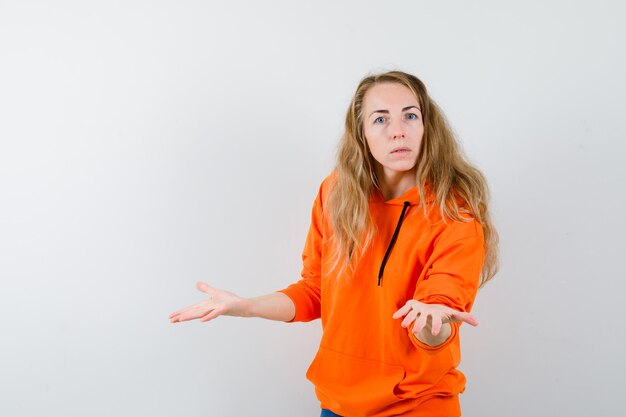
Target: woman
[(400, 241)]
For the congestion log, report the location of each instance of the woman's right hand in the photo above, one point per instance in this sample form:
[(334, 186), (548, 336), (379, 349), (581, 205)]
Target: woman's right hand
[(219, 303)]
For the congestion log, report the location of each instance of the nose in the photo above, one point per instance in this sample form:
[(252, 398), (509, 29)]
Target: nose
[(397, 130)]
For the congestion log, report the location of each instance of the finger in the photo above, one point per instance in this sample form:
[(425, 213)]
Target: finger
[(191, 315), (402, 311), (420, 322), (213, 314), (182, 310), (466, 317), (436, 322), (177, 312), (176, 317), (410, 318), (183, 317)]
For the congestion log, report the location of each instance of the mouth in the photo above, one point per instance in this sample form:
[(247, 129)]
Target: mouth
[(401, 150)]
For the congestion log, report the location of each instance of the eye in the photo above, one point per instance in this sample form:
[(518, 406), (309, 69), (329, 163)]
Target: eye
[(411, 116), (379, 119)]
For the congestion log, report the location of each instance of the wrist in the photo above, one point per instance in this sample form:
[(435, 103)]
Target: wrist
[(248, 307)]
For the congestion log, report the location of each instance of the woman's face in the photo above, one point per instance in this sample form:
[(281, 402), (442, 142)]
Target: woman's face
[(393, 128)]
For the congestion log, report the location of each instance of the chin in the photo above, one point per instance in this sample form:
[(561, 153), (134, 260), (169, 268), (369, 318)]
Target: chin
[(402, 167)]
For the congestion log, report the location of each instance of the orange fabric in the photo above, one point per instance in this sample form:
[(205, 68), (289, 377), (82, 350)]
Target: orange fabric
[(367, 363)]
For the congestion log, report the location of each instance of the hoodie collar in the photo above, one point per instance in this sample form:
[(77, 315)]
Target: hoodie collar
[(411, 195)]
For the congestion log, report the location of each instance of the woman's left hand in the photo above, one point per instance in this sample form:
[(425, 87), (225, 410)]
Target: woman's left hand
[(439, 314)]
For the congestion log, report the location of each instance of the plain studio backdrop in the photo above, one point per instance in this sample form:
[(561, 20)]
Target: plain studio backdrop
[(146, 145)]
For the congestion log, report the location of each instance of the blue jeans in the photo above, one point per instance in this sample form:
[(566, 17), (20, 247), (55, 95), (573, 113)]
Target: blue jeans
[(328, 413)]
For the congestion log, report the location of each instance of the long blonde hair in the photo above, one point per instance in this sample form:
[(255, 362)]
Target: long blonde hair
[(440, 165)]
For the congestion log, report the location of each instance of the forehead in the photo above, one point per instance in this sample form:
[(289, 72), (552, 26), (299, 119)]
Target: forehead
[(387, 95)]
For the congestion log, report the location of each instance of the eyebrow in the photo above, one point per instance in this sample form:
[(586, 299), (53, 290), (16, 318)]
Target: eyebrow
[(387, 111)]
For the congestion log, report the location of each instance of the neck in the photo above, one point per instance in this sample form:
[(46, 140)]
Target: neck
[(393, 185)]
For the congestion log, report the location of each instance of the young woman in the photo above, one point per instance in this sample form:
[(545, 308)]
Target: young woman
[(400, 241)]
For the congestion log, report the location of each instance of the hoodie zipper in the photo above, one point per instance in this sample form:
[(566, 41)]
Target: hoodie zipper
[(392, 242)]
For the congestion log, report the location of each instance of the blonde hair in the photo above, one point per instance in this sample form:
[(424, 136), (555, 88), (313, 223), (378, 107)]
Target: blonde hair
[(440, 165)]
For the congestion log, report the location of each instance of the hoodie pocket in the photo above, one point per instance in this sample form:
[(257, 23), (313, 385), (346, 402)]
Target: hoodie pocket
[(352, 385)]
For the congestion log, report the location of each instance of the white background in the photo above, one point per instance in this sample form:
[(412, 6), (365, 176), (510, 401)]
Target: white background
[(145, 145)]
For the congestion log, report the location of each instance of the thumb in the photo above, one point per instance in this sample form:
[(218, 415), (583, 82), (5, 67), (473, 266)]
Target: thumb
[(204, 287)]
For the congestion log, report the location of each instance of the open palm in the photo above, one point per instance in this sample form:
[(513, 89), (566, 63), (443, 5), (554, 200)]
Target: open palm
[(219, 303), (433, 314)]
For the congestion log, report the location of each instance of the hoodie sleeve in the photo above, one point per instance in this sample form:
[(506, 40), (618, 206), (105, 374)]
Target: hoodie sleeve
[(306, 293), (453, 270), (452, 274)]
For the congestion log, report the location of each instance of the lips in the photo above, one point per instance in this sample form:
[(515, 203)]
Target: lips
[(401, 150)]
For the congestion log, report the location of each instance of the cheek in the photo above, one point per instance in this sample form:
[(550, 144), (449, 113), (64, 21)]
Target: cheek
[(376, 148), (418, 129), (371, 137), (419, 134)]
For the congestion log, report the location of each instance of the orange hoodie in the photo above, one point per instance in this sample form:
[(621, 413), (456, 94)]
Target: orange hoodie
[(367, 363)]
